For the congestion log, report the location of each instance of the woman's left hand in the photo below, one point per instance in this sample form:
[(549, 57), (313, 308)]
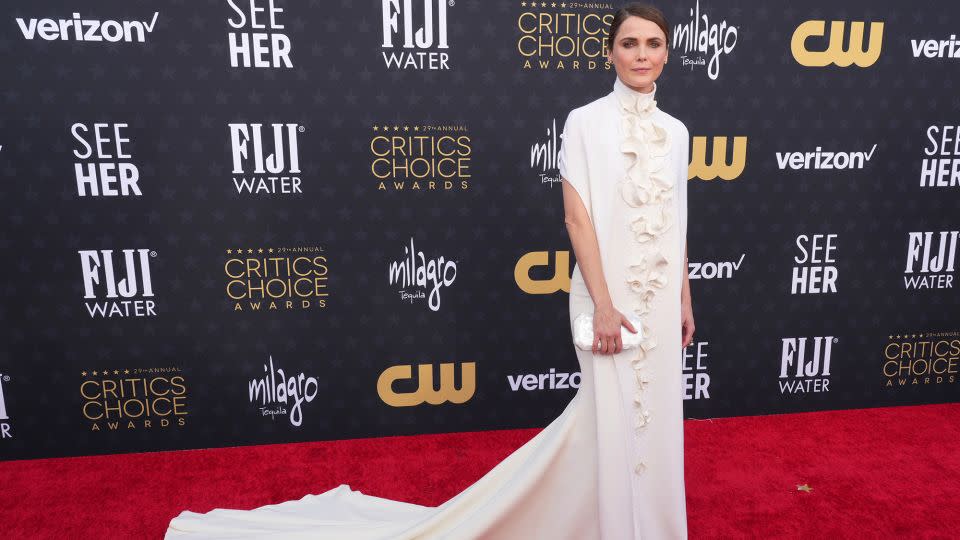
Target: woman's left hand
[(686, 321)]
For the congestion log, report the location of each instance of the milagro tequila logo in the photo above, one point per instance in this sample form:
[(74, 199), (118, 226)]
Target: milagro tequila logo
[(544, 155), (415, 274), (698, 39), (279, 394), (422, 28)]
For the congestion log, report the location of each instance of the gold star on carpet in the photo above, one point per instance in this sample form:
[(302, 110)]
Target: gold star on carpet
[(804, 487), (126, 371), (406, 128), (116, 372), (250, 251), (83, 373), (260, 250), (386, 128), (396, 128), (229, 251), (416, 128), (270, 250), (94, 373), (375, 128)]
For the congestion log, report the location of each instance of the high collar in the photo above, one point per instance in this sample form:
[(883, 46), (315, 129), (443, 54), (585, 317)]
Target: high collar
[(633, 101)]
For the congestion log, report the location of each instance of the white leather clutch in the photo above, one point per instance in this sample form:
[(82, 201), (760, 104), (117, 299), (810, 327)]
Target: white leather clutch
[(583, 332)]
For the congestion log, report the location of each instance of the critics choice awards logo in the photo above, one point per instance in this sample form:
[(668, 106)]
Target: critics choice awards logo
[(805, 364), (701, 43), (421, 157), (104, 166), (419, 277), (266, 158), (280, 394), (272, 279), (941, 167), (256, 38), (134, 398), (921, 359), (6, 429), (563, 35), (79, 28), (118, 283), (415, 34)]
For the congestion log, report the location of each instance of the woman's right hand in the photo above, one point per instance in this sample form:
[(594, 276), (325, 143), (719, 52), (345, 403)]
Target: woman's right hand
[(606, 330)]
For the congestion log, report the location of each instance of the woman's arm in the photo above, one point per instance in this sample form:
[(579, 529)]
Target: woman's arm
[(686, 304), (583, 238)]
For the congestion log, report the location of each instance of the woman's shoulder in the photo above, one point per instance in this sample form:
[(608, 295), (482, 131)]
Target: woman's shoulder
[(675, 124), (592, 112)]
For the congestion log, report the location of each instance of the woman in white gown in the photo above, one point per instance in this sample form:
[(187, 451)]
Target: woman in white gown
[(611, 465)]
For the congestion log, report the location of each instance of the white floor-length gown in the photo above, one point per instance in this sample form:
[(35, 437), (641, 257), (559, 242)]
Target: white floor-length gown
[(611, 465)]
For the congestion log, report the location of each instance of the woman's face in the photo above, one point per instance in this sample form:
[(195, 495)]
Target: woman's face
[(639, 53)]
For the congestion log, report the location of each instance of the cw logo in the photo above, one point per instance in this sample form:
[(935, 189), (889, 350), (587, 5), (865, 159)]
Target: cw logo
[(426, 392), (835, 53), (560, 281), (718, 165)]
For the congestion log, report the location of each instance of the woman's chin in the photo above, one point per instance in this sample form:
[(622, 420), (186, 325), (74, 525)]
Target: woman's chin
[(639, 82)]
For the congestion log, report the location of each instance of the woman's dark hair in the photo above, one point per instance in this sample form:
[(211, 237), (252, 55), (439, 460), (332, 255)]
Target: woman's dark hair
[(637, 9)]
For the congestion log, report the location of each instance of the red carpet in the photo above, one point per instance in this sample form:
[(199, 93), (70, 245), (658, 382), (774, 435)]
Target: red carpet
[(888, 472)]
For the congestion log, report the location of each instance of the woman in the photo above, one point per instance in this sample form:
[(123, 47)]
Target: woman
[(611, 465)]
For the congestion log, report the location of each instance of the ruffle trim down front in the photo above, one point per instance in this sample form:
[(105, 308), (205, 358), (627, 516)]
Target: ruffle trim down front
[(647, 188)]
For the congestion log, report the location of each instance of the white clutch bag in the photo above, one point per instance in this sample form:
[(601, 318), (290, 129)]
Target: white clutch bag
[(583, 332)]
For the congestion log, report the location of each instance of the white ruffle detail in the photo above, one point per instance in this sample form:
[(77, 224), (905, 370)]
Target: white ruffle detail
[(647, 188)]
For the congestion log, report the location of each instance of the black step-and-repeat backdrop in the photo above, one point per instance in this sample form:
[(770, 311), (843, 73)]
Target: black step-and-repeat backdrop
[(232, 222)]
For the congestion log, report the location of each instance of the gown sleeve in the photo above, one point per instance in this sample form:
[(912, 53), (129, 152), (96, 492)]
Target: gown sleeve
[(573, 159), (682, 180)]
